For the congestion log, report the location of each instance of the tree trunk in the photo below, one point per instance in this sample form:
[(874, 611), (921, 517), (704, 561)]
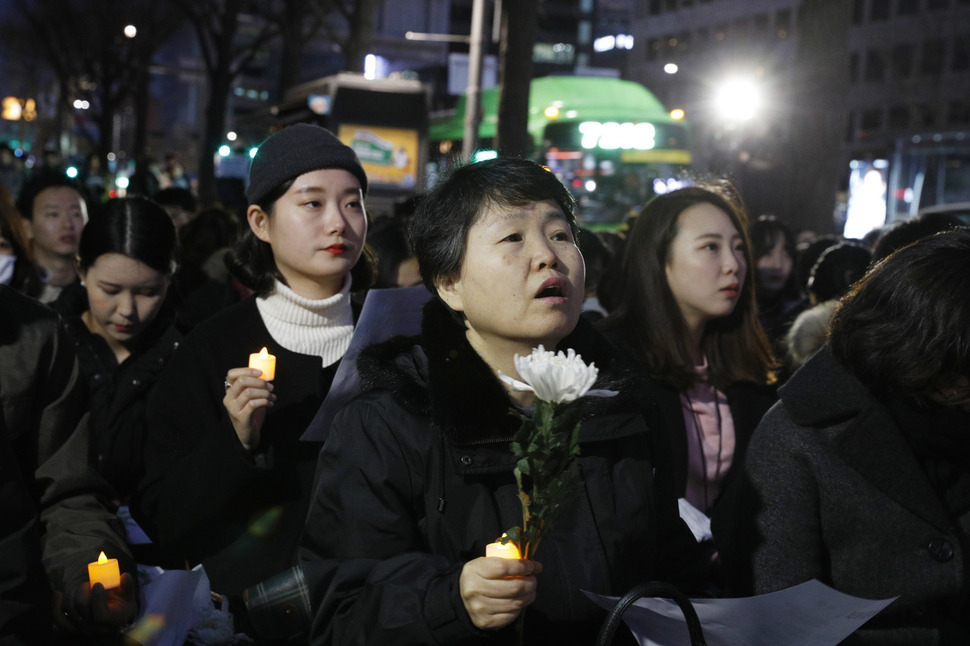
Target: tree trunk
[(106, 119), (291, 36), (141, 124), (819, 121), (215, 123), (361, 35), (519, 26)]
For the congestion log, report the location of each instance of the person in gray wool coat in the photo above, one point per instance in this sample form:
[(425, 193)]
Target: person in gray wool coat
[(860, 476)]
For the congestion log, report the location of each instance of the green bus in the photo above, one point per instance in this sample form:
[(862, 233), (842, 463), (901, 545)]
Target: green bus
[(611, 141)]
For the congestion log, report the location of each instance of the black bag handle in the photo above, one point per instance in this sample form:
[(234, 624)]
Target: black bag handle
[(652, 589)]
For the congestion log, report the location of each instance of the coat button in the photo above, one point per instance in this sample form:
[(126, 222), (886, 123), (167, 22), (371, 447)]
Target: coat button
[(940, 549), (136, 381), (466, 460)]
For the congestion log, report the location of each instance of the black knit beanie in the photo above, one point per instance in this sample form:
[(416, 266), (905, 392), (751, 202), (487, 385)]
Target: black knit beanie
[(295, 150)]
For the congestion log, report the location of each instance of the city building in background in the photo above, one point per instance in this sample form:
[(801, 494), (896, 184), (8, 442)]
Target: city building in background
[(818, 107), (820, 111), (908, 105)]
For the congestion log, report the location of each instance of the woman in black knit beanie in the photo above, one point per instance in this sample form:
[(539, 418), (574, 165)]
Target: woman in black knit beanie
[(228, 478)]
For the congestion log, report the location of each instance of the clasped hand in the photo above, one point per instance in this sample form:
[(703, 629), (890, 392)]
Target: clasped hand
[(496, 590)]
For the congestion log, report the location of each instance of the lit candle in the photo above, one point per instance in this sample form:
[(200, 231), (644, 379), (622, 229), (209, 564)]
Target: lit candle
[(104, 571), (265, 362), (507, 551)]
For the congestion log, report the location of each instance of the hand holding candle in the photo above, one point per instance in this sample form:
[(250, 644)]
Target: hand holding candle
[(265, 362), (507, 551), (104, 571), (91, 608)]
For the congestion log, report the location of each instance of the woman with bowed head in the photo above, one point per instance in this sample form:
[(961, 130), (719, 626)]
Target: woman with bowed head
[(687, 314), (860, 476), (416, 477), (122, 327), (228, 479)]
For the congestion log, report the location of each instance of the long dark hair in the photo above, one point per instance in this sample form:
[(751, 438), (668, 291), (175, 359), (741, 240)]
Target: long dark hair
[(135, 227), (647, 319), (765, 232), (904, 329), (252, 262)]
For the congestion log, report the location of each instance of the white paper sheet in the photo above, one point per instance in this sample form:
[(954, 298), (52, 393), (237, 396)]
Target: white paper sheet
[(809, 614), (176, 608), (697, 521)]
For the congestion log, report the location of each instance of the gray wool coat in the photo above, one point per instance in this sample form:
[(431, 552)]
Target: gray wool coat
[(832, 491)]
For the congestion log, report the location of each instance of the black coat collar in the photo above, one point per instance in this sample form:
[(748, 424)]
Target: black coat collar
[(445, 378)]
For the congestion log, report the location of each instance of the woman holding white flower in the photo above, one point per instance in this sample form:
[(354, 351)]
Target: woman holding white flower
[(416, 476), (686, 311)]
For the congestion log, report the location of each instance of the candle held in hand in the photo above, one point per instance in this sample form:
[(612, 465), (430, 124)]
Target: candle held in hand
[(506, 551), (265, 362), (104, 571)]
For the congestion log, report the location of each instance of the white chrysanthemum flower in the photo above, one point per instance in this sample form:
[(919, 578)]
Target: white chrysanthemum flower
[(557, 377)]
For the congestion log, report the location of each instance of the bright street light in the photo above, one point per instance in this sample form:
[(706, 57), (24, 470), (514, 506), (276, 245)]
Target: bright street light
[(738, 99), (131, 31)]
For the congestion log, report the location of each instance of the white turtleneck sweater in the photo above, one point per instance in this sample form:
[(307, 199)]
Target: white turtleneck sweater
[(315, 327)]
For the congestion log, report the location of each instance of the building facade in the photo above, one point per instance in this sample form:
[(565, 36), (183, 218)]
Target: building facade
[(843, 87)]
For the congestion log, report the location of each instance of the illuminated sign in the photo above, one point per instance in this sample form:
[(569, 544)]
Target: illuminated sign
[(612, 135), (388, 155)]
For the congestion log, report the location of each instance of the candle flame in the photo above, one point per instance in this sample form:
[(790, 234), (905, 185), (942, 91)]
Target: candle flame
[(263, 354), (102, 558)]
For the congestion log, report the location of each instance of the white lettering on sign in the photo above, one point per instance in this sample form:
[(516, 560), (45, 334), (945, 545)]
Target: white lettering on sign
[(612, 135)]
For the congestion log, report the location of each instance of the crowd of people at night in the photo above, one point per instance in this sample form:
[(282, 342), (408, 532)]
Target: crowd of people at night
[(786, 406)]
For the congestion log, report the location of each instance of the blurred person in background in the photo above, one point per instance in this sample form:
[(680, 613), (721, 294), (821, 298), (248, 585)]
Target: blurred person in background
[(11, 170), (396, 262), (204, 282), (898, 235), (93, 179), (598, 259), (122, 327), (808, 254), (180, 203), (54, 211), (777, 288), (173, 173), (17, 266), (836, 270), (860, 476)]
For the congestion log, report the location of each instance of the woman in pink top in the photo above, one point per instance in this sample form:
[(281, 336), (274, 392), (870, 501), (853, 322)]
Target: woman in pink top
[(686, 311)]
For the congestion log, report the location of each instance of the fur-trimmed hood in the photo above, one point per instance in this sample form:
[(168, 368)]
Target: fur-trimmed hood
[(439, 375)]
